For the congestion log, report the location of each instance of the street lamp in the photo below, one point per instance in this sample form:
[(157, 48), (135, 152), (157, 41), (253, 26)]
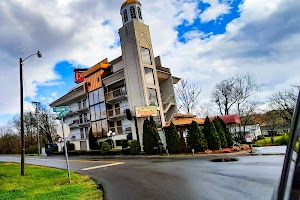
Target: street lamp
[(111, 134), (22, 111)]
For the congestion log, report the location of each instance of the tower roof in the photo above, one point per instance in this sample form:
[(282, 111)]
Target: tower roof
[(129, 2)]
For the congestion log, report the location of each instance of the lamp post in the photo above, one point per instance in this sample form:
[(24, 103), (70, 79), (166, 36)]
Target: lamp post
[(111, 134), (22, 111)]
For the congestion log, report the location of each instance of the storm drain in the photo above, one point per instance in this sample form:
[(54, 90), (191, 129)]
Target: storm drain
[(224, 160)]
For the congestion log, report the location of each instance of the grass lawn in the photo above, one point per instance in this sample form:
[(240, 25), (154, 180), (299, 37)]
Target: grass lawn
[(267, 140), (44, 183)]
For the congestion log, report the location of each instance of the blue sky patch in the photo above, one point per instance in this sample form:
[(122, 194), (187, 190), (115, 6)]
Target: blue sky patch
[(213, 27)]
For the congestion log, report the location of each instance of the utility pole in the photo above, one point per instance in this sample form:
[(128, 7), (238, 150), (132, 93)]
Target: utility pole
[(37, 104), (22, 111)]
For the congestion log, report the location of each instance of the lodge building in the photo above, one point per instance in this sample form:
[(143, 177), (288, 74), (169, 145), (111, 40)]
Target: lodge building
[(113, 94)]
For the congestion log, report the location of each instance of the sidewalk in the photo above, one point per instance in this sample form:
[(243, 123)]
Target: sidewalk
[(270, 150)]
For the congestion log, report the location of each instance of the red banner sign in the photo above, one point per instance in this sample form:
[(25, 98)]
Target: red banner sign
[(78, 75)]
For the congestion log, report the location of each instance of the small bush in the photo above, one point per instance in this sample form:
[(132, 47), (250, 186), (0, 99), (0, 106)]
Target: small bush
[(124, 144), (135, 147), (105, 148), (31, 150), (260, 137), (110, 142), (284, 140), (125, 151), (115, 152)]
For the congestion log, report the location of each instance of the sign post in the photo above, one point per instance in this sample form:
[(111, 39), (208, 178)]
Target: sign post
[(249, 140), (63, 130)]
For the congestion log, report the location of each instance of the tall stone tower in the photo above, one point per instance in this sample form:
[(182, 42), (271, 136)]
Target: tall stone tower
[(139, 64)]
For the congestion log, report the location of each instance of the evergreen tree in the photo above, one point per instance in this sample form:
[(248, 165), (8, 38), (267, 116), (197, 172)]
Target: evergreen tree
[(221, 132), (105, 148), (211, 135), (150, 136), (93, 141), (195, 138), (227, 132), (172, 139)]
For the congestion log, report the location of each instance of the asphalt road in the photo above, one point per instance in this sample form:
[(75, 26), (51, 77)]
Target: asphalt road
[(251, 177)]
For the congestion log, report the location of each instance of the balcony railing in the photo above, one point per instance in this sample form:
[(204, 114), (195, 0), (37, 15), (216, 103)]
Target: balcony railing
[(170, 101), (76, 109), (79, 122), (120, 130), (116, 94), (117, 112)]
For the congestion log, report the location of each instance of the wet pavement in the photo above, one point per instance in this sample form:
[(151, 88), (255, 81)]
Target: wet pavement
[(271, 150), (251, 177)]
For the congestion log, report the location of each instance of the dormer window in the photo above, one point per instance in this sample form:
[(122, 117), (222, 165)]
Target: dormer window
[(125, 15), (140, 13), (132, 12)]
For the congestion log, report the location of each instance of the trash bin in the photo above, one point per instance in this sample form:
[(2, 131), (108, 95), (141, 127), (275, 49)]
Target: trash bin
[(49, 148)]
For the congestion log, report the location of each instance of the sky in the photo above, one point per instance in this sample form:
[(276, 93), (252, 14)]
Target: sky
[(205, 41)]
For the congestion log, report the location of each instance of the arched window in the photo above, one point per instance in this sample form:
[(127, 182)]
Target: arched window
[(125, 15), (132, 12), (140, 13)]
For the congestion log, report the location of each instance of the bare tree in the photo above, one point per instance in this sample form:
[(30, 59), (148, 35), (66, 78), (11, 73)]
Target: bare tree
[(284, 102), (47, 125), (223, 95), (205, 109), (188, 96), (245, 86), (236, 93)]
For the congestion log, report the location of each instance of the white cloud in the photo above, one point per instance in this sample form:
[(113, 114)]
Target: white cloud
[(264, 41), (215, 10)]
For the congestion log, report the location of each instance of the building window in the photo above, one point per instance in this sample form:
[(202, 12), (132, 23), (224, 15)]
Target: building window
[(125, 15), (149, 78), (103, 110), (104, 127), (132, 12), (79, 105), (93, 114), (146, 56), (101, 94), (96, 96), (97, 111), (152, 97), (140, 13), (91, 98), (84, 103)]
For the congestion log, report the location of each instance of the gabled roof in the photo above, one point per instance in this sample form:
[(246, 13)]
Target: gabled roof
[(187, 119)]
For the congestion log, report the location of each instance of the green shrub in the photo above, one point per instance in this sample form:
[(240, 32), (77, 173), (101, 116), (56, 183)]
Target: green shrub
[(31, 150), (110, 142), (70, 147), (135, 147), (220, 132), (195, 138), (227, 132), (211, 135), (150, 136), (105, 148), (172, 139), (124, 143), (125, 151), (115, 152), (284, 140)]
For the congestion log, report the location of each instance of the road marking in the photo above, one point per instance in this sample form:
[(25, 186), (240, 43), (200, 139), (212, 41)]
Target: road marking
[(63, 160), (102, 166)]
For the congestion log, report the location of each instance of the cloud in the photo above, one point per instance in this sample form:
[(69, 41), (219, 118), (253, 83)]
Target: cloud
[(264, 40), (215, 10)]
